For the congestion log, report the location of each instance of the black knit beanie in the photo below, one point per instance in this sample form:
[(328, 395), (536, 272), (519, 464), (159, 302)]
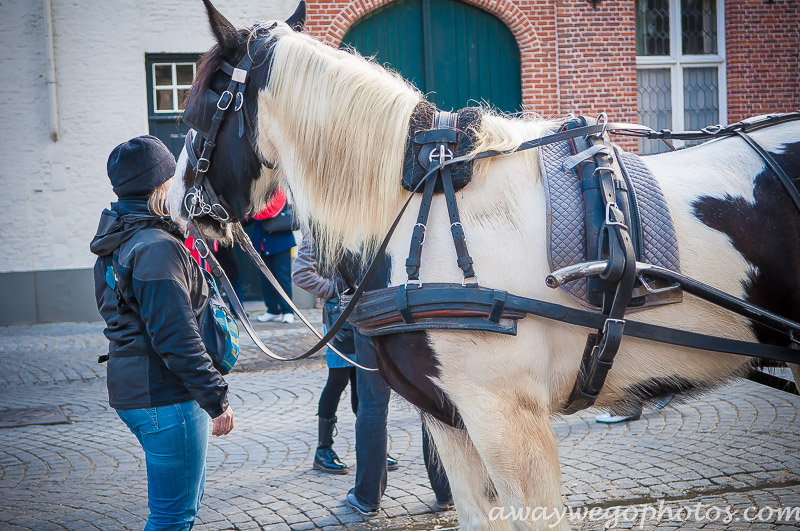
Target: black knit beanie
[(139, 166)]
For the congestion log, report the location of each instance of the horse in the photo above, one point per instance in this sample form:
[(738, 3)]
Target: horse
[(331, 128)]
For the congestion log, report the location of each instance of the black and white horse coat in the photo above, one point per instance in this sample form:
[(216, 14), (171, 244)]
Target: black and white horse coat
[(489, 397)]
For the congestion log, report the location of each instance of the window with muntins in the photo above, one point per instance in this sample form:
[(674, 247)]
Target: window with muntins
[(169, 79), (680, 65)]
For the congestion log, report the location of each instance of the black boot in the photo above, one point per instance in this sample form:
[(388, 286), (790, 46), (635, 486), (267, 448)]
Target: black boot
[(325, 459)]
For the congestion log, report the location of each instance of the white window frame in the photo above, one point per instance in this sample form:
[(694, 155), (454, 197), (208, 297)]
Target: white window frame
[(174, 86), (676, 61)]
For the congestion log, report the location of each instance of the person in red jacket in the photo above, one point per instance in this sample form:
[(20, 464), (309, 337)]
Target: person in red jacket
[(274, 240)]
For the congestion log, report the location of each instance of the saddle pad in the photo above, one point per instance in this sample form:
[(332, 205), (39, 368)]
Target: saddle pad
[(566, 231)]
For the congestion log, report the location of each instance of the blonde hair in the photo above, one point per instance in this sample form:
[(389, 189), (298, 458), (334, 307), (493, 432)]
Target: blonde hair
[(158, 199)]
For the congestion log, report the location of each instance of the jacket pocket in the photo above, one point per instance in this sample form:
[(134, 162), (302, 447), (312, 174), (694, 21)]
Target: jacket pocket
[(128, 379)]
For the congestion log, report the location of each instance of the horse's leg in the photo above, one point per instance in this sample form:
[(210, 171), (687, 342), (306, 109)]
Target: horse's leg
[(473, 492), (512, 433)]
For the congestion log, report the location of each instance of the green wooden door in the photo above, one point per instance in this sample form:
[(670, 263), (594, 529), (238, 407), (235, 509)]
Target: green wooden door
[(456, 53)]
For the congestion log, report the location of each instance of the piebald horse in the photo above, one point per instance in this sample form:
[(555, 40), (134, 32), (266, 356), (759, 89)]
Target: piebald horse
[(334, 126)]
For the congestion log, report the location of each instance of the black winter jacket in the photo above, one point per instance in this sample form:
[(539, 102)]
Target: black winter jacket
[(156, 356)]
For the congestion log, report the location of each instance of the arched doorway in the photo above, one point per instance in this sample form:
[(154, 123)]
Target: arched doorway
[(456, 53)]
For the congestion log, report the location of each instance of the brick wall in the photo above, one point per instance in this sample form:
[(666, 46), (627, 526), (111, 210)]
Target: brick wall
[(583, 60), (762, 42), (571, 59)]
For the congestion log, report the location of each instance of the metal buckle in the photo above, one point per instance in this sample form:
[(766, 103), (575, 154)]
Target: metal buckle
[(217, 207), (464, 234), (441, 154), (239, 102), (712, 129), (225, 100), (202, 165), (605, 168), (239, 75), (464, 281), (608, 217), (424, 231), (616, 322), (416, 282)]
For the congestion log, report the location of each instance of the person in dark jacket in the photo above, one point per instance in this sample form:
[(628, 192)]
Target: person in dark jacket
[(149, 290), (306, 274)]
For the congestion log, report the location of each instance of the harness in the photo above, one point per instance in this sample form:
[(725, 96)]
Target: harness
[(437, 155), (613, 266)]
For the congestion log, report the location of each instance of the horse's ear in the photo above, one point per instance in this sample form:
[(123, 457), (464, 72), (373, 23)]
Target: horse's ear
[(298, 18), (223, 30)]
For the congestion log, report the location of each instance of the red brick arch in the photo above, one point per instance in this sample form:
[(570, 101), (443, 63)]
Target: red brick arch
[(331, 20)]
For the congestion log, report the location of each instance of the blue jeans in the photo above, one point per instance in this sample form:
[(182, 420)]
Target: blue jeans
[(281, 266), (174, 439), (373, 410)]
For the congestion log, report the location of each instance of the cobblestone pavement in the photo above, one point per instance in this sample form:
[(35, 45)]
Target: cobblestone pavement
[(735, 448)]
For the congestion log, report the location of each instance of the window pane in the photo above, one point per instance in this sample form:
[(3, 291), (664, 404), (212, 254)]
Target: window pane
[(182, 98), (652, 27), (655, 105), (699, 26), (184, 73), (164, 100), (163, 74), (700, 97)]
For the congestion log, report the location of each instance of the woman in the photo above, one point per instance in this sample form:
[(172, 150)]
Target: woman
[(306, 274), (161, 380)]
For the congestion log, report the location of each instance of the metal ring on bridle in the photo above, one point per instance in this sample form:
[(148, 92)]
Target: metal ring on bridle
[(239, 102), (225, 102), (198, 244), (218, 217)]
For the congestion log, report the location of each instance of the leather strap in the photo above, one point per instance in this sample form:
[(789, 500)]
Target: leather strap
[(381, 305), (456, 229), (787, 182), (413, 261), (602, 347), (238, 308)]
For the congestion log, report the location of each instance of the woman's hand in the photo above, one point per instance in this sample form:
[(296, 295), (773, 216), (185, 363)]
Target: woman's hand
[(224, 423)]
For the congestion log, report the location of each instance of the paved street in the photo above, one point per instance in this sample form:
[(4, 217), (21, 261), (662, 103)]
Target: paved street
[(738, 447)]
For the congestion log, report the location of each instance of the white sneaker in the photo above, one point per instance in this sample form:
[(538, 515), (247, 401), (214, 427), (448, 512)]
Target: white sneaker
[(267, 317), (610, 418), (288, 318)]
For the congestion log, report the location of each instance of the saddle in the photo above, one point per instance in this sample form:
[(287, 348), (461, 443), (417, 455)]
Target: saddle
[(575, 216)]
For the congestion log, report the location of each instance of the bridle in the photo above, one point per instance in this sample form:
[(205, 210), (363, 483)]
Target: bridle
[(201, 199)]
